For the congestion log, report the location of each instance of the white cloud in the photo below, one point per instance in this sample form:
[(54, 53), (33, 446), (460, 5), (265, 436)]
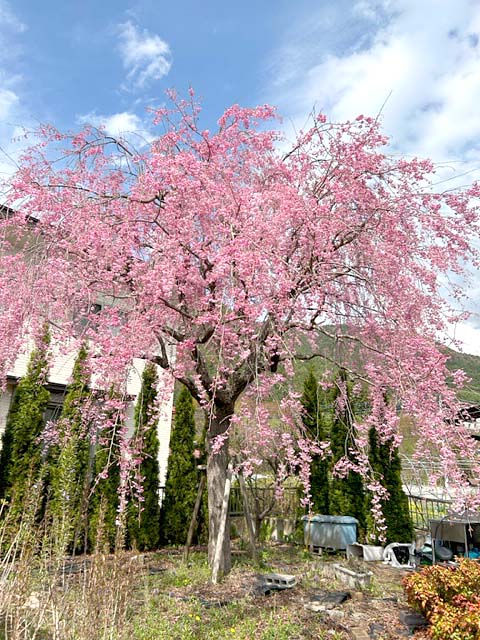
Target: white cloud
[(145, 56), (9, 20), (419, 60), (125, 125), (8, 100), (468, 335), (424, 57), (116, 124)]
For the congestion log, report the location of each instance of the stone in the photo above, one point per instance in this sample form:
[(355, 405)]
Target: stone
[(331, 598), (154, 570), (376, 631), (336, 614), (316, 607), (413, 620), (209, 604), (359, 633), (279, 580), (353, 579)]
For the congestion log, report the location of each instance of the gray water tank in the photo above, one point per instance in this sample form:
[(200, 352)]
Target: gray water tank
[(330, 532)]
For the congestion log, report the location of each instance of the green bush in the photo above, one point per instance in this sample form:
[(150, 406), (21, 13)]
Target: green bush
[(315, 425), (347, 494), (103, 523), (69, 461), (449, 597), (181, 483), (22, 455), (143, 522), (385, 462)]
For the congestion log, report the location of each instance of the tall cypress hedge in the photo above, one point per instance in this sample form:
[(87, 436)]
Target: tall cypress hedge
[(181, 484), (22, 455), (317, 430), (347, 495), (385, 462), (70, 464), (143, 523), (104, 502)]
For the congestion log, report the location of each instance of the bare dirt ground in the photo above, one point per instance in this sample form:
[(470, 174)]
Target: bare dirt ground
[(372, 612)]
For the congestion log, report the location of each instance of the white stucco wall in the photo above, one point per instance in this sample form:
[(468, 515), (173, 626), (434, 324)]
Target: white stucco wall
[(61, 364), (5, 399), (165, 394)]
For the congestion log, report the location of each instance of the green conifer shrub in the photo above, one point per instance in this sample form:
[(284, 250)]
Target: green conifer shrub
[(181, 483), (315, 425), (201, 531), (143, 522), (347, 495), (104, 501), (70, 463), (385, 462), (22, 454)]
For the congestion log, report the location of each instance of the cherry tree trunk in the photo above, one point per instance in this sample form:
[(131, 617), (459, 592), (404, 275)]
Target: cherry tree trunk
[(216, 477)]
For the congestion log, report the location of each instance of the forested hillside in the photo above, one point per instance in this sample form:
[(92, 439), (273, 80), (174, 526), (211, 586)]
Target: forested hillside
[(467, 362), (471, 365)]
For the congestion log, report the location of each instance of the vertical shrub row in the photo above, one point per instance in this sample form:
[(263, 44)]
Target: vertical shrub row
[(79, 470), (22, 455), (314, 420), (104, 503), (385, 462), (330, 417), (347, 495), (181, 483), (70, 461), (143, 526)]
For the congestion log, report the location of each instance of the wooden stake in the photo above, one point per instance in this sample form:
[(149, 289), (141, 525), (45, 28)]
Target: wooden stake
[(248, 517), (193, 521)]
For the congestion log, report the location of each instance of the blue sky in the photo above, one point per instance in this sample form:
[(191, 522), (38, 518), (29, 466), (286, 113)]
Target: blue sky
[(68, 59), (105, 61)]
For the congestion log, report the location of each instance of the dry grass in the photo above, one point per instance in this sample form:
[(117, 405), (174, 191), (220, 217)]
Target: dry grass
[(68, 599), (47, 595)]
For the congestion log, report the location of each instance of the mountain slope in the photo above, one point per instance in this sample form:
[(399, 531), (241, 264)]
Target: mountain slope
[(471, 365)]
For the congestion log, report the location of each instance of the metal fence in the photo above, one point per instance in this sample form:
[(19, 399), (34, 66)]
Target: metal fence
[(423, 509), (288, 505)]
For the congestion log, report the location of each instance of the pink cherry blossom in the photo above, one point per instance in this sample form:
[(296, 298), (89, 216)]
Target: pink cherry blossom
[(223, 258)]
